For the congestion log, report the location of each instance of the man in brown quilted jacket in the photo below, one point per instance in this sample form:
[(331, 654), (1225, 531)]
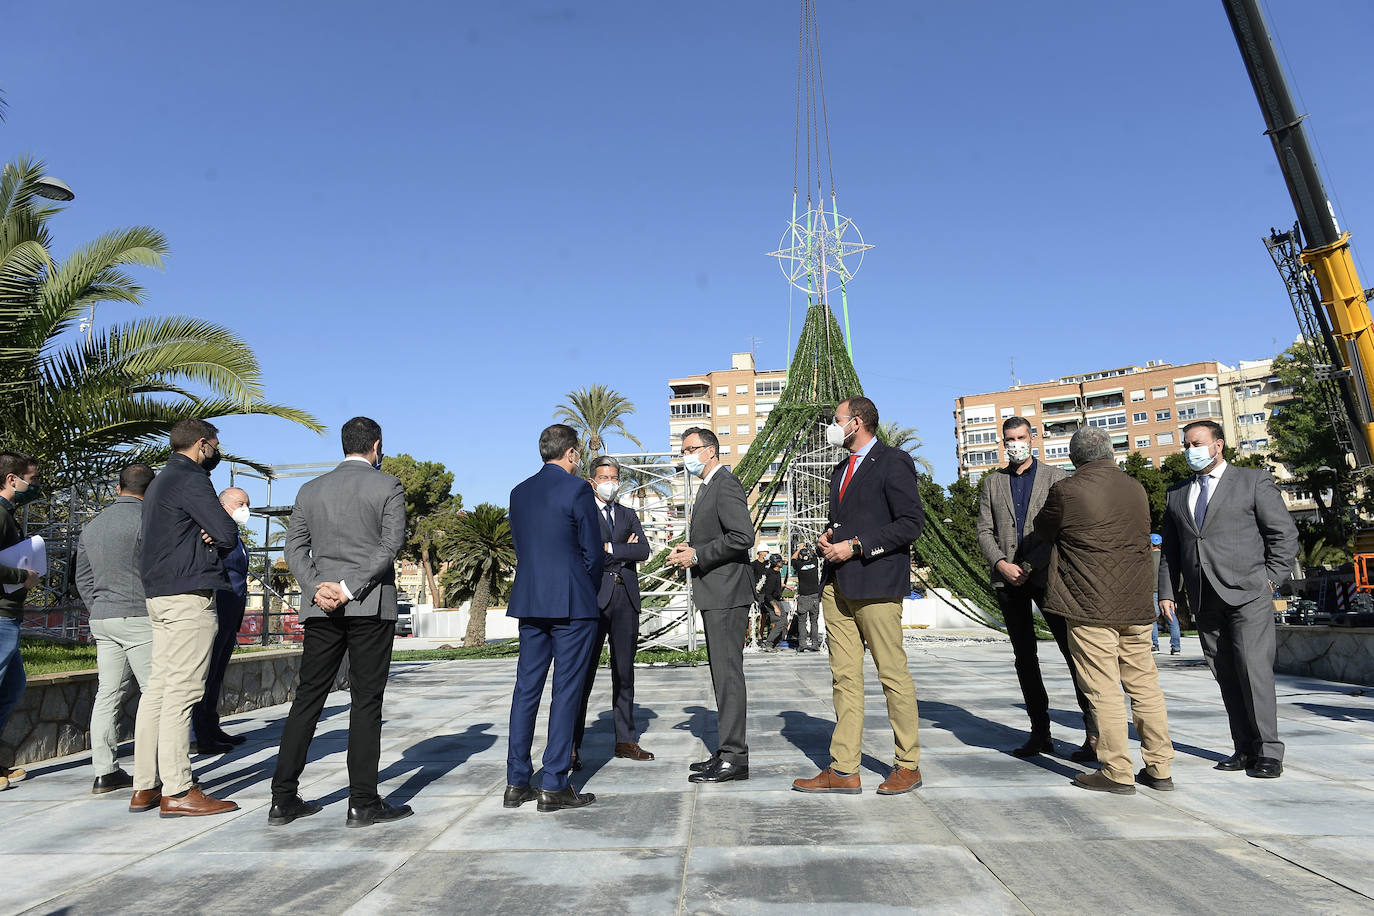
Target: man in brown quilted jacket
[(1101, 581)]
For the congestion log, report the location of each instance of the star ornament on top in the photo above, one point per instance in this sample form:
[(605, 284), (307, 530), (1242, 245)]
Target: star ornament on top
[(818, 246)]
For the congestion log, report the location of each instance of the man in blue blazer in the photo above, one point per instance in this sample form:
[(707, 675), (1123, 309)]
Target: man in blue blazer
[(558, 556)]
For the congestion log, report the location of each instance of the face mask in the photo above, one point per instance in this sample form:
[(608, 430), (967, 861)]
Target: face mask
[(27, 495), (240, 515), (212, 462), (835, 435), (607, 490), (693, 464), (1018, 451), (1198, 456)]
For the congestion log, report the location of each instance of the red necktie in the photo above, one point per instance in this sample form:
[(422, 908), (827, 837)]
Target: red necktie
[(849, 473)]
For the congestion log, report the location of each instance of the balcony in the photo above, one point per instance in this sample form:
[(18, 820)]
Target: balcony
[(1057, 409), (1105, 402)]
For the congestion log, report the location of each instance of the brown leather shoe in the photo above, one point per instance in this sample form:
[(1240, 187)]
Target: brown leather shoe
[(194, 803), (827, 781), (900, 780), (145, 799), (632, 751)]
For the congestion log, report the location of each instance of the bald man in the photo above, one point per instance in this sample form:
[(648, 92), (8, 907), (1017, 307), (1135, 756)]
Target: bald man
[(229, 606)]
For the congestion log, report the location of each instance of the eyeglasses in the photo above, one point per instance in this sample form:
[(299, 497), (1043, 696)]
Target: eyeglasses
[(839, 422), (689, 449)]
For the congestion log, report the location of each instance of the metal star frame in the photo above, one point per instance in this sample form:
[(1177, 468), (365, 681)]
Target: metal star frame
[(817, 245)]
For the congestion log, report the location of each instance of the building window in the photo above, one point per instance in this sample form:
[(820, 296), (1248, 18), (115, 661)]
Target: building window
[(1160, 392), (722, 430), (1008, 412), (1056, 451), (742, 429), (1110, 421), (981, 457), (722, 390), (1028, 411), (741, 408), (758, 426), (986, 413), (1164, 439), (764, 409), (725, 449), (723, 410), (681, 411), (1137, 395), (768, 388), (1140, 417), (1035, 453), (981, 437), (1162, 415), (1142, 441)]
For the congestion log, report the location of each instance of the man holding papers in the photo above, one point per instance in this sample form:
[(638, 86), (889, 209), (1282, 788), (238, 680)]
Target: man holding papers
[(18, 485)]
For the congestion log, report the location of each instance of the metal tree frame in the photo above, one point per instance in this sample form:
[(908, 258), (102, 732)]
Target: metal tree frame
[(54, 609)]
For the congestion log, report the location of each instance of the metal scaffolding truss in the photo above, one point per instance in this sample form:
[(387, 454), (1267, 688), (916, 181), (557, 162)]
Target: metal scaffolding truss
[(53, 607), (807, 484)]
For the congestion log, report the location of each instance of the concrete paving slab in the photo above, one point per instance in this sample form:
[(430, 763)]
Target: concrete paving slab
[(787, 818), (32, 879), (1175, 876), (1343, 859), (521, 883), (777, 880), (627, 821)]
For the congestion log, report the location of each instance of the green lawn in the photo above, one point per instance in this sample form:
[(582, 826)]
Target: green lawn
[(43, 657)]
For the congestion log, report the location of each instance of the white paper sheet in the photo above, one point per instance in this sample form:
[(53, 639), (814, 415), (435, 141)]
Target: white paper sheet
[(28, 554)]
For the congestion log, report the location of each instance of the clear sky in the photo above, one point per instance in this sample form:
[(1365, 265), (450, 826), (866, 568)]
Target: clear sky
[(446, 215)]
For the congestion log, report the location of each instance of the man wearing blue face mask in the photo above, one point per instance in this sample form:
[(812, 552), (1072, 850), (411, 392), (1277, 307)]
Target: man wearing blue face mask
[(19, 486), (1229, 540)]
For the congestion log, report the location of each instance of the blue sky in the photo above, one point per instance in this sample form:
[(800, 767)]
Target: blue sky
[(448, 215)]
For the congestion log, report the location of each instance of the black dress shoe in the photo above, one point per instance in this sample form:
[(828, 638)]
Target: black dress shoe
[(518, 795), (225, 738), (1038, 744), (111, 782), (567, 797), (283, 813), (706, 764), (721, 772), (1085, 754), (213, 747), (1236, 761), (1266, 768), (378, 812)]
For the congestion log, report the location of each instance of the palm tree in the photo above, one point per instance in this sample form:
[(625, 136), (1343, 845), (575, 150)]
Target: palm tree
[(88, 405), (905, 438), (593, 412), (482, 554)]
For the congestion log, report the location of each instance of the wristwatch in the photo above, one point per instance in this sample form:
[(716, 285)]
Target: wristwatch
[(855, 548)]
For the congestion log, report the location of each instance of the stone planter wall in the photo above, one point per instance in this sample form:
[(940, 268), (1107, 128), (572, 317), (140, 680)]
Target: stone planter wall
[(1343, 654), (54, 716)]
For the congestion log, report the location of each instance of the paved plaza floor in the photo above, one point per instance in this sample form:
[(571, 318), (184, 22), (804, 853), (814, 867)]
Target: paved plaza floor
[(987, 833)]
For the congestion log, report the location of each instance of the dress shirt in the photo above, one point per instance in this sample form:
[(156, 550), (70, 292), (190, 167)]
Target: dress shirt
[(1194, 487), (1021, 486)]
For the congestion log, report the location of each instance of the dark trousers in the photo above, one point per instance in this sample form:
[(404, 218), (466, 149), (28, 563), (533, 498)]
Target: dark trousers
[(367, 642), (619, 621), (777, 621), (808, 616), (1015, 602), (229, 609), (1238, 643), (726, 632), (564, 644)]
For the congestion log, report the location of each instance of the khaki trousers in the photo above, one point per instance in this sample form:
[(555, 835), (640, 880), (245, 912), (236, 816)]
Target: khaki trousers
[(183, 634), (876, 624), (123, 658), (1109, 659)]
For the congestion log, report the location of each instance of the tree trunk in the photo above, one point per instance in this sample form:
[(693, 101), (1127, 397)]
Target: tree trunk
[(477, 615), (434, 598)]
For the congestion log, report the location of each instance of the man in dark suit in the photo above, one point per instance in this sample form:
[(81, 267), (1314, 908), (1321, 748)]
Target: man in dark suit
[(1231, 542), (230, 604), (1009, 499), (347, 527), (875, 514), (716, 556), (624, 545), (559, 560)]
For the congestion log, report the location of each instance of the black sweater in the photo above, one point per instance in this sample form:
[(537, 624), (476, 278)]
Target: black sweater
[(179, 504)]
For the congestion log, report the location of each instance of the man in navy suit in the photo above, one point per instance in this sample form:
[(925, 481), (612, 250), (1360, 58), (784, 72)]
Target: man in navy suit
[(875, 514), (624, 545), (558, 553)]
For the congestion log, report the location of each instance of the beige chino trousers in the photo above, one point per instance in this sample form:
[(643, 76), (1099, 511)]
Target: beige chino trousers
[(183, 634), (1109, 659)]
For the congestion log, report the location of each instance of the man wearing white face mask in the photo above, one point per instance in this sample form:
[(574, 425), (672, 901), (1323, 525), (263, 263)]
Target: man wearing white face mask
[(229, 606), (1008, 501), (618, 598), (1229, 540)]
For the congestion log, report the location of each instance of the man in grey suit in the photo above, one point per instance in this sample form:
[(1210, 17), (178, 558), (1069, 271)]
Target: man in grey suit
[(346, 529), (1008, 502), (716, 555), (1229, 540), (108, 580)]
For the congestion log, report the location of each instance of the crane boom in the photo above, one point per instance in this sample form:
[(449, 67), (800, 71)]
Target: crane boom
[(1326, 249)]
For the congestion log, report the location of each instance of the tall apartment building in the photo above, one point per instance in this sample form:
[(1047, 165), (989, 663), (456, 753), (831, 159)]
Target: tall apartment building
[(1144, 408), (733, 402)]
